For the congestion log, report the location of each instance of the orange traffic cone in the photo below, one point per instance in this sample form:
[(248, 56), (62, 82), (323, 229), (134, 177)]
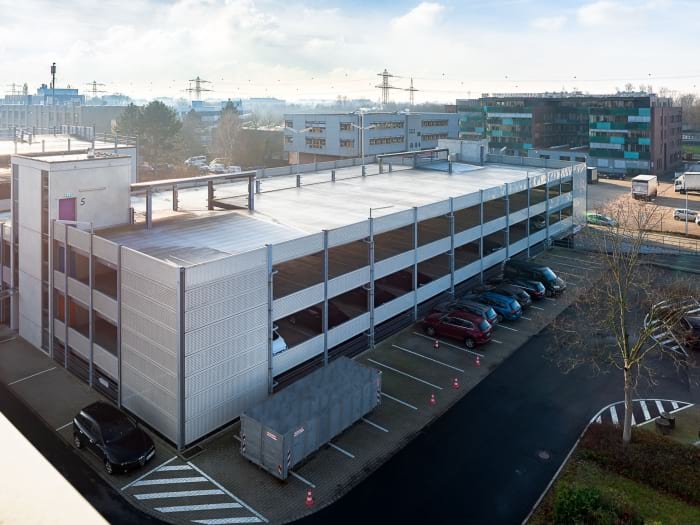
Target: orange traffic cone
[(433, 400), (478, 361), (436, 344), (455, 383), (309, 499)]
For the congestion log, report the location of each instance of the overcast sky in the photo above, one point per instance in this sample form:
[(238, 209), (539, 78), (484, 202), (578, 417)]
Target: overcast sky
[(321, 49)]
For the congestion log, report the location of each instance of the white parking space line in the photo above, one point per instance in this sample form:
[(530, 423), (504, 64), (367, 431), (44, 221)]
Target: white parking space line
[(448, 344), (30, 376), (599, 420), (572, 274), (342, 450), (645, 410), (613, 415), (179, 494), (149, 472), (378, 427), (674, 405), (204, 506), (228, 492), (303, 480), (634, 421), (64, 426), (427, 358), (8, 339), (169, 481), (497, 341), (660, 406), (174, 467), (409, 405), (404, 374), (537, 308), (228, 521), (526, 318), (507, 328)]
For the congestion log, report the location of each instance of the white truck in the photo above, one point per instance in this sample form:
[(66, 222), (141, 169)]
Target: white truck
[(644, 187), (689, 181)]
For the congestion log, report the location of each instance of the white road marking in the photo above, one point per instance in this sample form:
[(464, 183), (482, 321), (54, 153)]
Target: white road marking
[(508, 328), (179, 494), (174, 467), (378, 427), (64, 426), (148, 473), (613, 415), (550, 299), (645, 410), (303, 480), (404, 374), (228, 521), (9, 339), (448, 344), (399, 401), (537, 308), (660, 406), (262, 518), (341, 450), (576, 260), (428, 358), (169, 481), (598, 420), (30, 376), (497, 341), (204, 506), (571, 274), (634, 421), (674, 405), (526, 318)]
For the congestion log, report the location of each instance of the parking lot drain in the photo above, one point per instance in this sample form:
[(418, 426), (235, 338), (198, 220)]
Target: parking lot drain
[(543, 454)]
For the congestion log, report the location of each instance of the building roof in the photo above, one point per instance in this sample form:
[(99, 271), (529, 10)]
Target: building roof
[(71, 157), (52, 143), (284, 212)]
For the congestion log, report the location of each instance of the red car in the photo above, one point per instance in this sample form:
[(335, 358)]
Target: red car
[(471, 329)]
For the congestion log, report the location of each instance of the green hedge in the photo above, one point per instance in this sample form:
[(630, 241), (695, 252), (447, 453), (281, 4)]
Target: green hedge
[(579, 504), (649, 458)]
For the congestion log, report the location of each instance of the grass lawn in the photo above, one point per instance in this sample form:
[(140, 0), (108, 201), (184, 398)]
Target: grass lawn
[(652, 505), (691, 148), (687, 426)]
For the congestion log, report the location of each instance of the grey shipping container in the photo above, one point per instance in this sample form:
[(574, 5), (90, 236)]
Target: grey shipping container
[(292, 424)]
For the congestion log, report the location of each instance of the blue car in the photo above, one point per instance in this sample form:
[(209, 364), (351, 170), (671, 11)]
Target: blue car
[(506, 307)]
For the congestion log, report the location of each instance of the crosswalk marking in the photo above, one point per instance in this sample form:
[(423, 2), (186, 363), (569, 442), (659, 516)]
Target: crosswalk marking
[(169, 481), (645, 410), (204, 506), (174, 467), (227, 521), (179, 494), (599, 420), (659, 406), (613, 415), (674, 405)]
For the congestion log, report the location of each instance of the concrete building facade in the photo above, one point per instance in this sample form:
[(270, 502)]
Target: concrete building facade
[(174, 318)]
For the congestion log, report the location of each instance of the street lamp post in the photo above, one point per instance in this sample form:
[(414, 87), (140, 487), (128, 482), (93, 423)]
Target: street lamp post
[(362, 129)]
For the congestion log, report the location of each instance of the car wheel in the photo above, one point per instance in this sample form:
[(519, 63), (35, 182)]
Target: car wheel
[(77, 440), (499, 318), (469, 343), (430, 331), (109, 468), (676, 218)]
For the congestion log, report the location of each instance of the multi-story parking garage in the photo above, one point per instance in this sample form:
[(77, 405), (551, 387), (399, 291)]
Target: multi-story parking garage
[(179, 317)]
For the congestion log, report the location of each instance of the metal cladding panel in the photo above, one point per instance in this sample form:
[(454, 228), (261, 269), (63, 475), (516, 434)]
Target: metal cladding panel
[(217, 354), (466, 201), (104, 249), (348, 329), (225, 267), (518, 216), (105, 305), (561, 226), (59, 232), (538, 237), (517, 186), (148, 403), (349, 281), (296, 301), (392, 221), (467, 236), (199, 317), (494, 258), (140, 319), (467, 271), (79, 238), (59, 329), (494, 226), (6, 275), (288, 250), (150, 268), (294, 423), (106, 361), (537, 209), (222, 329), (393, 307), (433, 288), (538, 180), (59, 281), (580, 190), (163, 357), (226, 370), (346, 234), (79, 291), (434, 248), (236, 285), (433, 210), (517, 247), (145, 287), (393, 264), (79, 343), (297, 354), (497, 192)]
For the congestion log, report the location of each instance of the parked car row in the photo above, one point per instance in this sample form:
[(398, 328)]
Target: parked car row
[(472, 318), (215, 166)]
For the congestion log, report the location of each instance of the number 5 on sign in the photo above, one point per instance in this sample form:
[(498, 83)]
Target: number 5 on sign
[(82, 201)]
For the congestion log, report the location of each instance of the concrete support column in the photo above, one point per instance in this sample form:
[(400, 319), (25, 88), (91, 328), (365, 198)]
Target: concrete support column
[(325, 298), (371, 283), (210, 194), (451, 217), (149, 208), (175, 197), (414, 284)]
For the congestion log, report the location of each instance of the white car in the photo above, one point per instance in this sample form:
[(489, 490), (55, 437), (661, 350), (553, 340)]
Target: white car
[(196, 162), (217, 166), (278, 343), (681, 214)]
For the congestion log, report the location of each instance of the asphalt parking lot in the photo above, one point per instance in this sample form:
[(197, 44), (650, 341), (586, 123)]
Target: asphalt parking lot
[(215, 485)]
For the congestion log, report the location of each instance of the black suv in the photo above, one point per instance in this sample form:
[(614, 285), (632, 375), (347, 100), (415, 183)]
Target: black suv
[(519, 268), (113, 436)]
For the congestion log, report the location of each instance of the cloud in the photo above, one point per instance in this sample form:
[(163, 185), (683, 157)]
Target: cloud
[(421, 17), (606, 13), (548, 23)]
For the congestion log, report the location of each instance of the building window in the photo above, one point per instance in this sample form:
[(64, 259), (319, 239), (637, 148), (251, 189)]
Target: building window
[(433, 123), (394, 124), (347, 143), (289, 124), (315, 143), (345, 126), (315, 126), (386, 140), (434, 136), (289, 139)]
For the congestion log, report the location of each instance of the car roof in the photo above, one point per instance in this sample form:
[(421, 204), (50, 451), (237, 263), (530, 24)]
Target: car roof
[(693, 321), (466, 315), (103, 411), (527, 264)]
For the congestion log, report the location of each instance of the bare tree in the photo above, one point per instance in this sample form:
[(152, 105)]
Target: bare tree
[(608, 329), (227, 133)]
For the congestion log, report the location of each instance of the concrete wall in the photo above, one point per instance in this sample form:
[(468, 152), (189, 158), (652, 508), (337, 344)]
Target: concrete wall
[(226, 340), (472, 151)]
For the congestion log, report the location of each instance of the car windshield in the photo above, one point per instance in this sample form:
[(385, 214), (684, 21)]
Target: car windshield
[(549, 274), (540, 287), (484, 326), (116, 429)]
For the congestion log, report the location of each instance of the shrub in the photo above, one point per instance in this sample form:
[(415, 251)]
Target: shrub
[(576, 504), (649, 458)]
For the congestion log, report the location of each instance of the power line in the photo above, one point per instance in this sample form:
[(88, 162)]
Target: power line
[(94, 85), (197, 89)]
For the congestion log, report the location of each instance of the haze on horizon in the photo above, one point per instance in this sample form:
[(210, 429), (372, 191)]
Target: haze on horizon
[(321, 50)]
